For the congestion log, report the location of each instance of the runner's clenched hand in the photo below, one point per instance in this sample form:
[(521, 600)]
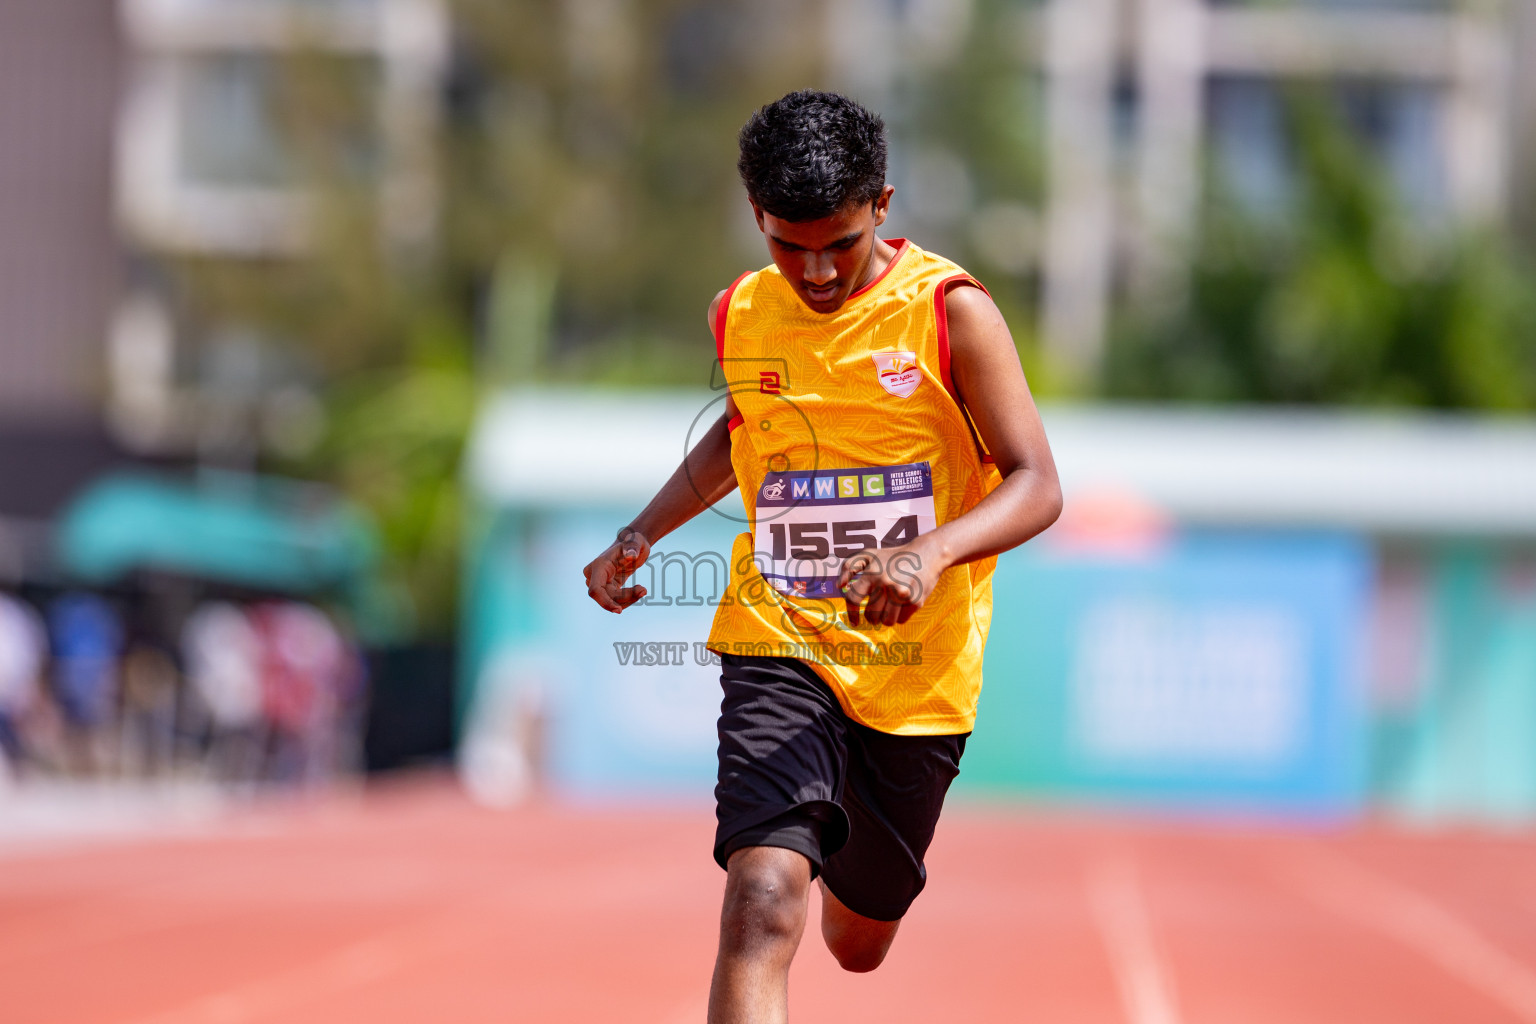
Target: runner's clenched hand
[(889, 584), (608, 570)]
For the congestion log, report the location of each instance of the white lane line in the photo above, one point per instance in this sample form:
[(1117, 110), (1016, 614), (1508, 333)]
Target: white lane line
[(1120, 911), (1417, 922)]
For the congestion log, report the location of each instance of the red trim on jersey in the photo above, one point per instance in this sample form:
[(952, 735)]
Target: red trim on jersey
[(734, 422), (901, 248), (941, 318), (720, 311)]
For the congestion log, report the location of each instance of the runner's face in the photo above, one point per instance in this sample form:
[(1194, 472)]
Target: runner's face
[(828, 259)]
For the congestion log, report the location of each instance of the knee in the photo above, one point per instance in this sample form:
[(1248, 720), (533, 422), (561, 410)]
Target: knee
[(858, 943), (859, 956), (764, 904)]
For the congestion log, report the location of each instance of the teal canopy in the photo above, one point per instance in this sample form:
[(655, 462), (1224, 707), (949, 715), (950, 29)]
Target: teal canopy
[(258, 532)]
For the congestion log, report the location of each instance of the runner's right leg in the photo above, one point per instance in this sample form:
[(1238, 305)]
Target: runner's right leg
[(761, 921)]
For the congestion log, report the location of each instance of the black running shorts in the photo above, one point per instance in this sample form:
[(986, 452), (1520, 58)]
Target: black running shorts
[(796, 772)]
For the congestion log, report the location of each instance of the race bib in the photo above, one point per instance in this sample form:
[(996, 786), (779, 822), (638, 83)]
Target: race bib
[(808, 522)]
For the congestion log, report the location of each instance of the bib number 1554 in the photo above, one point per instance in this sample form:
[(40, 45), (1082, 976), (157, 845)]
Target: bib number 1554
[(816, 541)]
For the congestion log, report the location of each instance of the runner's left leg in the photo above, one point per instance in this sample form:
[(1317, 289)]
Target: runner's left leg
[(859, 943)]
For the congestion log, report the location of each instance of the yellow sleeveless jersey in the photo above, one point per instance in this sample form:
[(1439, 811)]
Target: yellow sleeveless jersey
[(850, 436)]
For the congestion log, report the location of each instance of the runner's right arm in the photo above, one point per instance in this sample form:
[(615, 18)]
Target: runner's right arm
[(705, 476)]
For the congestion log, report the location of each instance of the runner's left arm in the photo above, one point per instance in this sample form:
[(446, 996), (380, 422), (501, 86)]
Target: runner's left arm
[(984, 365)]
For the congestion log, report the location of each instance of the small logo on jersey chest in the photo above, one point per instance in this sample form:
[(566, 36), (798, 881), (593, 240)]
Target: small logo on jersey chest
[(897, 372), (768, 382)]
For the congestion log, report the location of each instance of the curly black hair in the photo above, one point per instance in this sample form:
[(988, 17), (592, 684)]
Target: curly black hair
[(810, 154)]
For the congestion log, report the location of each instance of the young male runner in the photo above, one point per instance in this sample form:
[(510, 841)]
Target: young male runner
[(887, 448)]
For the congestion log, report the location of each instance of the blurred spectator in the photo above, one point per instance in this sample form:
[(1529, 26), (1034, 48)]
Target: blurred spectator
[(303, 667), (350, 701), (150, 682), (23, 645), (223, 655), (87, 639)]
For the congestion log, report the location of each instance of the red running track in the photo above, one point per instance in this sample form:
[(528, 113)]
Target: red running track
[(412, 905)]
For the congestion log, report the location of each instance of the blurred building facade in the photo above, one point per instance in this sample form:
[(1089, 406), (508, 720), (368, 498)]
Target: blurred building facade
[(139, 131), (1151, 104), (60, 65), (206, 169)]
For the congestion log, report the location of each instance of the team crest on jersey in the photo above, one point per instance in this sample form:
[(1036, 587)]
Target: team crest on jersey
[(898, 372)]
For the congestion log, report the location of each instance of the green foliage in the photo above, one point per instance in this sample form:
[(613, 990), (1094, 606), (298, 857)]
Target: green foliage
[(600, 158), (395, 441), (1346, 302), (987, 108)]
